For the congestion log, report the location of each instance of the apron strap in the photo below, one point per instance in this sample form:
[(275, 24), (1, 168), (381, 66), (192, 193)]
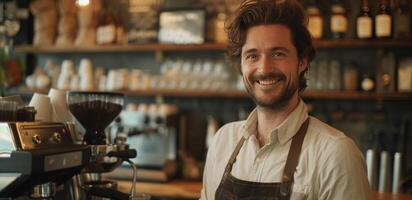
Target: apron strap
[(293, 159), (232, 158)]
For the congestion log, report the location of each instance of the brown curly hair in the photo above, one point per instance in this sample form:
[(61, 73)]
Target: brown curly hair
[(257, 12)]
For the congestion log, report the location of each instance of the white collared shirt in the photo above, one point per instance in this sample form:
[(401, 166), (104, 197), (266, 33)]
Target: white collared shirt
[(330, 165)]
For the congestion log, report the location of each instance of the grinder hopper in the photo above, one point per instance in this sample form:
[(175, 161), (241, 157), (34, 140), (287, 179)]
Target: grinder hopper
[(95, 111)]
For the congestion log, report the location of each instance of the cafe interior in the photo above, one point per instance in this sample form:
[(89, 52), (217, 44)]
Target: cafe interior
[(120, 99)]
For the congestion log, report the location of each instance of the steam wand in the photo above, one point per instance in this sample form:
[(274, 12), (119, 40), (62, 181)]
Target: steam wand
[(133, 195), (126, 155)]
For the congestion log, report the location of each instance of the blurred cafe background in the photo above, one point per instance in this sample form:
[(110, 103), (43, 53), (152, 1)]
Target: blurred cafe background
[(167, 57)]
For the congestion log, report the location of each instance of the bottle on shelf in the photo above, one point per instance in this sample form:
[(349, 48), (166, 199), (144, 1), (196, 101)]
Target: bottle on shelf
[(106, 29), (338, 20), (350, 77), (401, 19), (315, 20), (216, 24), (364, 22), (386, 72), (383, 21)]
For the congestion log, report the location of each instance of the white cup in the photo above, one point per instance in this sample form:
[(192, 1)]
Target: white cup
[(102, 83), (85, 67), (59, 110), (75, 82), (63, 82), (98, 73), (86, 83), (41, 103), (67, 68)]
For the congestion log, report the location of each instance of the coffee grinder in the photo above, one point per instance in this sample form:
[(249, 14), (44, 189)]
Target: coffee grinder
[(95, 111)]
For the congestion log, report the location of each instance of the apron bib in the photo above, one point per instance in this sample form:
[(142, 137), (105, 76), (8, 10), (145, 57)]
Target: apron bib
[(231, 188)]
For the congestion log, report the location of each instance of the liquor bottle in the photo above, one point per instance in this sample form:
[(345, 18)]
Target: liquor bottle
[(383, 21), (315, 24), (402, 19), (338, 20), (364, 22)]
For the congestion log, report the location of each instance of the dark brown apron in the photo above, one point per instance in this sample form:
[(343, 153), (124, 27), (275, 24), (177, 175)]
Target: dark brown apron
[(233, 188)]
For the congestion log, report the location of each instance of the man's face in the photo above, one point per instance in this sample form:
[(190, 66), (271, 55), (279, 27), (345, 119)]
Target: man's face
[(270, 65)]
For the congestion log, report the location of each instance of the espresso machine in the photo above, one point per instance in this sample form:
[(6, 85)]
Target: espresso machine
[(46, 160), (35, 157), (151, 129)]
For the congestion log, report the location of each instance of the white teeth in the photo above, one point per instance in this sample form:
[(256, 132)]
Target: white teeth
[(267, 82)]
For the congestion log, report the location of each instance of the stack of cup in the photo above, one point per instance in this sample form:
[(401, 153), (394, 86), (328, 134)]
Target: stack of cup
[(99, 78), (111, 80), (86, 75), (122, 79), (66, 73), (134, 79), (42, 105)]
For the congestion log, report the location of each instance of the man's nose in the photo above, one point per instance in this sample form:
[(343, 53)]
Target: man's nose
[(266, 64)]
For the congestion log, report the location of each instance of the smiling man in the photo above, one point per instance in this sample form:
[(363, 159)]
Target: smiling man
[(279, 152)]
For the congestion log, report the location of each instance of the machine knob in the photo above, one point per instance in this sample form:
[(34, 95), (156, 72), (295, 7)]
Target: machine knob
[(36, 139), (57, 138)]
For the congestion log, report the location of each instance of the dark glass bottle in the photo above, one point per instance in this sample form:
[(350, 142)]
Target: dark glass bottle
[(338, 20), (383, 21), (364, 21), (401, 19)]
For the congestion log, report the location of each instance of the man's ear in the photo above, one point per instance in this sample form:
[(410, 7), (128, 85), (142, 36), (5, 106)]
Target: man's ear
[(303, 64)]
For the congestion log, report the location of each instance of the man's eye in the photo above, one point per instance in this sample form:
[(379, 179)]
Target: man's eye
[(278, 54), (251, 57)]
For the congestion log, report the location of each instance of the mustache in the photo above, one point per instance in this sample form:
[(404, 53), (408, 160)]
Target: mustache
[(270, 75)]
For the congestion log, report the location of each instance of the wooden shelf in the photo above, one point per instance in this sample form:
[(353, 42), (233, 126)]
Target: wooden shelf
[(354, 43), (348, 43), (121, 48), (355, 95), (325, 95)]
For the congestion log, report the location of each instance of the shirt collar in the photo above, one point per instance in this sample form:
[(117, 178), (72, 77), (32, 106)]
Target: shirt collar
[(286, 130)]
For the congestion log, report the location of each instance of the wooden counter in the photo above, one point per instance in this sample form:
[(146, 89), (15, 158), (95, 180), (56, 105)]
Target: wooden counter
[(191, 190), (173, 189)]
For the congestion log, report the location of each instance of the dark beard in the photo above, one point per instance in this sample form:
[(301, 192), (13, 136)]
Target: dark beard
[(279, 102)]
